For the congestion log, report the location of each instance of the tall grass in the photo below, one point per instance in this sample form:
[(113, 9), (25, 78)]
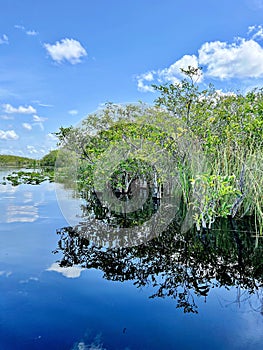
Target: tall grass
[(243, 165)]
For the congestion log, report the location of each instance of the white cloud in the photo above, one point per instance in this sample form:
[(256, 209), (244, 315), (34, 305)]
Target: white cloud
[(28, 32), (4, 39), (256, 32), (27, 126), (8, 135), (45, 105), (69, 272), (66, 50), (38, 119), (31, 32), (73, 112), (39, 103), (145, 78), (19, 110), (241, 59), (221, 93), (171, 74), (148, 76)]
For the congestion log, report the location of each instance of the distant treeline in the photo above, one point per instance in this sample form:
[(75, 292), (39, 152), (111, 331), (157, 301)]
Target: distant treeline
[(10, 160)]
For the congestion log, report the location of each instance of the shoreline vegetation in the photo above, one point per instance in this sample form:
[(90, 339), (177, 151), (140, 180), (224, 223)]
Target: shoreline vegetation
[(202, 146), (17, 161), (31, 171)]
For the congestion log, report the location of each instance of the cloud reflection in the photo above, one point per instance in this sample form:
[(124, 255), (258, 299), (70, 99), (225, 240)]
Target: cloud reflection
[(12, 210), (5, 273), (21, 213), (69, 272)]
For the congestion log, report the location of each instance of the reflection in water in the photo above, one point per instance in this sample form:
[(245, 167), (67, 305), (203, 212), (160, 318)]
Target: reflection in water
[(179, 266), (95, 344), (69, 272), (99, 219), (21, 213), (22, 203), (12, 210), (5, 273), (63, 312)]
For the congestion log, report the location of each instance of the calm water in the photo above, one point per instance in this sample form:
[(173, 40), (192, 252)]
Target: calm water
[(44, 305)]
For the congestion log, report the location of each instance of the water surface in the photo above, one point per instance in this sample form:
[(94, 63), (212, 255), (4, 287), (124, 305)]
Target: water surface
[(59, 296)]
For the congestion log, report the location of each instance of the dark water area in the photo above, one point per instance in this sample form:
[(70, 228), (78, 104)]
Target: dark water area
[(59, 291)]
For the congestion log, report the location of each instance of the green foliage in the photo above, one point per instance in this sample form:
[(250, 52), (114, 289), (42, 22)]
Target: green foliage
[(116, 129), (49, 159), (230, 129), (181, 97), (217, 119), (211, 141), (226, 126), (214, 196), (10, 160)]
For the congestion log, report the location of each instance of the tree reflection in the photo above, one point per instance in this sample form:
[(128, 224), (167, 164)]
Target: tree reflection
[(179, 266)]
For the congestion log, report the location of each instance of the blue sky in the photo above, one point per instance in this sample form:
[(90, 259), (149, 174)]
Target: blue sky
[(60, 60)]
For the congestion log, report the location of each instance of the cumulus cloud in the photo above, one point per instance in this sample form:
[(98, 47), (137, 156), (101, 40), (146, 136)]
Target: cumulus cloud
[(8, 135), (66, 50), (19, 110), (171, 74), (256, 32), (27, 126), (243, 59), (145, 77), (240, 59), (4, 39)]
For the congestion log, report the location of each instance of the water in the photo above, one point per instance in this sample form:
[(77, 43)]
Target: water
[(100, 299)]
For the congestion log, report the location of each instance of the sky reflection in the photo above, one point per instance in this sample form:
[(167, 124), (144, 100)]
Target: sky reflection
[(46, 306)]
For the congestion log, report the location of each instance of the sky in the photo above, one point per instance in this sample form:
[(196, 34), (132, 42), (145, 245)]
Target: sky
[(61, 60)]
